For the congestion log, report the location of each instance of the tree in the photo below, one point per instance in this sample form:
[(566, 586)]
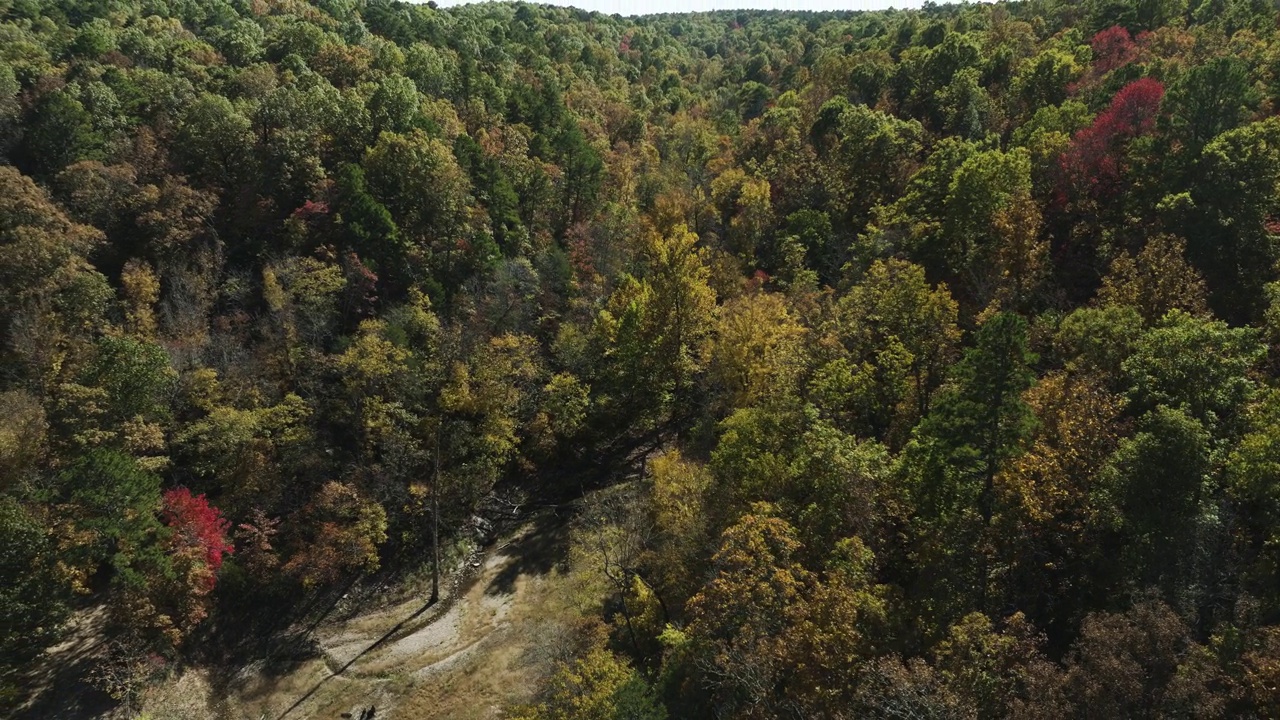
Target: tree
[(979, 422), (966, 106), (1160, 485), (417, 179), (1225, 214), (23, 438), (1207, 100), (652, 330), (991, 227), (836, 634), (135, 375), (197, 526), (196, 544), (1094, 164), (108, 509), (41, 249), (61, 133), (368, 224), (898, 334), (1124, 663), (738, 620), (1252, 484), (394, 105), (995, 669), (756, 351), (340, 531), (680, 517), (1156, 281), (488, 399), (1196, 364), (1044, 81), (10, 108), (33, 598), (582, 170), (871, 163), (216, 142), (598, 686), (1054, 522)]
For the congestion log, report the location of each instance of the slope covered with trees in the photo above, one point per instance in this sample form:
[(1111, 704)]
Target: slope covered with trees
[(956, 332)]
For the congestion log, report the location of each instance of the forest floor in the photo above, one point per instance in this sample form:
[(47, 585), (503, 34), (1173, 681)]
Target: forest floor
[(478, 651), (504, 618)]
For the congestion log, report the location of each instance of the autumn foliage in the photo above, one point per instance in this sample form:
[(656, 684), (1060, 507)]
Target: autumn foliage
[(909, 364), (1095, 162), (197, 527), (1112, 48)]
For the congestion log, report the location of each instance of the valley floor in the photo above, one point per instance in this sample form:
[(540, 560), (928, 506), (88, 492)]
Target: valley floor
[(496, 632)]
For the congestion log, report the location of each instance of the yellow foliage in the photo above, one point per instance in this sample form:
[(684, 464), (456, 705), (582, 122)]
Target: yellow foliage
[(757, 350), (141, 289), (1157, 280)]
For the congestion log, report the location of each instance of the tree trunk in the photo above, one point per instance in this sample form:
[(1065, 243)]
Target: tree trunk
[(435, 525)]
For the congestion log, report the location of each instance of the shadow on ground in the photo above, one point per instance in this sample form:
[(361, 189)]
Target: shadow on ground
[(538, 552)]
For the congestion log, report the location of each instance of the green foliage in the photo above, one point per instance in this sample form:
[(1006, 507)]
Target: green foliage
[(977, 424), (113, 506), (33, 598), (61, 132), (1199, 366), (135, 375), (1160, 485), (216, 141)]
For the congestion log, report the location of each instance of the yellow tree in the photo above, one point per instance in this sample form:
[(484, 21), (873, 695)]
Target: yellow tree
[(739, 620), (681, 541), (1049, 527), (1158, 279), (757, 349), (653, 328)]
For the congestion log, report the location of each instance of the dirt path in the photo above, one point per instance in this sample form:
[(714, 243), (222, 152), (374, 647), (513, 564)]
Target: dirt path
[(468, 658)]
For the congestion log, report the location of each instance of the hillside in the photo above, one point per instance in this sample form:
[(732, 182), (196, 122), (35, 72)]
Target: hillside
[(894, 364)]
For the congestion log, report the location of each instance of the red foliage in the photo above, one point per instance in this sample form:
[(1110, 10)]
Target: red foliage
[(1112, 48), (1094, 160), (757, 280), (197, 525), (1133, 110), (311, 210)]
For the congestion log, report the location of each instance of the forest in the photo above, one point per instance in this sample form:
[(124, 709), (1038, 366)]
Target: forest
[(901, 364)]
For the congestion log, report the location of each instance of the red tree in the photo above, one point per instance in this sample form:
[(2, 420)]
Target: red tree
[(197, 526), (1094, 162), (1112, 48)]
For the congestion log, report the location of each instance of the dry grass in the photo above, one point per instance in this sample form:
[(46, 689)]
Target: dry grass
[(470, 657)]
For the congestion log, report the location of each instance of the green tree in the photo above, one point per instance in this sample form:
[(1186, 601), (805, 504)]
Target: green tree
[(1208, 100), (216, 141), (60, 132), (977, 424), (416, 177), (897, 334), (33, 598), (1234, 191), (394, 105), (1159, 481), (108, 510), (1196, 364), (872, 162)]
